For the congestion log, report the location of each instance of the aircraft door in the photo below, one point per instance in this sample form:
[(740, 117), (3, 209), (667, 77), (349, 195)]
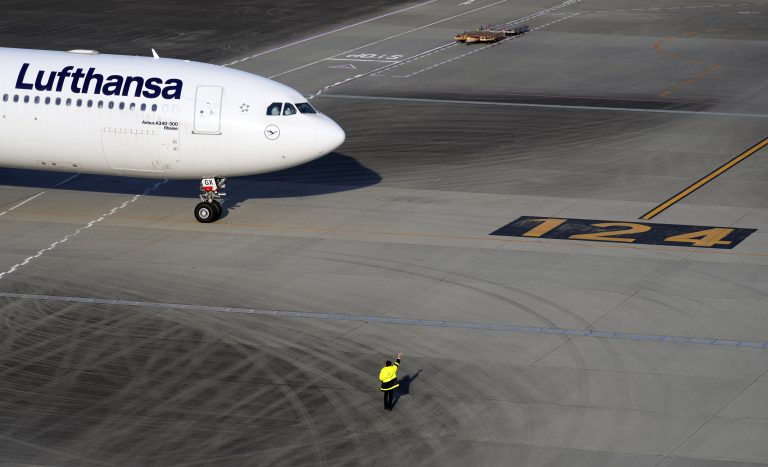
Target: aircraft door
[(131, 150), (208, 110)]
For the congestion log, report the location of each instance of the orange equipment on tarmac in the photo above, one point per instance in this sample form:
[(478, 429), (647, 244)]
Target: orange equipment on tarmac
[(490, 34)]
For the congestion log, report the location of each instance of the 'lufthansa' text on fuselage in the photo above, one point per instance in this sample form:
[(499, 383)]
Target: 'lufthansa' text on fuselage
[(88, 81)]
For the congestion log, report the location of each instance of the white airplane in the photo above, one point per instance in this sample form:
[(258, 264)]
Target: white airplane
[(81, 111)]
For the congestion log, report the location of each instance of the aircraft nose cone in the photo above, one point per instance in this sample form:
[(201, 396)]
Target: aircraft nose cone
[(329, 136)]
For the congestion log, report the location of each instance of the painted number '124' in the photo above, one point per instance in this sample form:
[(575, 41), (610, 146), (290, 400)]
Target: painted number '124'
[(701, 238)]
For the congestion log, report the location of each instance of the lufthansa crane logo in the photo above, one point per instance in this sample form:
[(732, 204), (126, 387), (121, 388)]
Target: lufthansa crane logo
[(272, 132)]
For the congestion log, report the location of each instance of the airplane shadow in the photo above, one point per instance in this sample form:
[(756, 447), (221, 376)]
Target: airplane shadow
[(333, 173)]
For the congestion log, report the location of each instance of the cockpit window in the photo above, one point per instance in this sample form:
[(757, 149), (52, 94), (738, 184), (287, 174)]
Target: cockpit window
[(274, 108), (289, 109), (305, 108)]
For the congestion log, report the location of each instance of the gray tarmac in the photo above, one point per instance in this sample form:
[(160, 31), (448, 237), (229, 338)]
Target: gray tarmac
[(146, 338)]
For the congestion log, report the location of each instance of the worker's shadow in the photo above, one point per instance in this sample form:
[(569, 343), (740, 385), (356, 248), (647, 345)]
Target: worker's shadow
[(405, 386)]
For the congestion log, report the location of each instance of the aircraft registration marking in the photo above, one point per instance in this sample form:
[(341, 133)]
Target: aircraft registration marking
[(625, 232)]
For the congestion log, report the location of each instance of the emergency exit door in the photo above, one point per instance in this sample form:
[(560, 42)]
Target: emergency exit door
[(208, 110)]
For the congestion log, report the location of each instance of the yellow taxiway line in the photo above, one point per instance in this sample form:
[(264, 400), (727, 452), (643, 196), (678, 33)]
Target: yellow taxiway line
[(708, 178)]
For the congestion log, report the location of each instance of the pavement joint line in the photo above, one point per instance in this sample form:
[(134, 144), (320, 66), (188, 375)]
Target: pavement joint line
[(79, 230), (704, 180), (501, 327), (553, 106), (724, 405), (317, 36)]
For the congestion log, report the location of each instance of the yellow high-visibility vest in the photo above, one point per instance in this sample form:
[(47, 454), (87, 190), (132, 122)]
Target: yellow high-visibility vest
[(388, 377), (388, 373)]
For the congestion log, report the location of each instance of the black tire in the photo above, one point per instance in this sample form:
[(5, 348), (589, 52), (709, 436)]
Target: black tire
[(219, 209), (205, 212)]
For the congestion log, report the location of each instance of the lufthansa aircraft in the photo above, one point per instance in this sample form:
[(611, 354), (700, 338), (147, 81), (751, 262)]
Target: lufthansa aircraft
[(81, 111)]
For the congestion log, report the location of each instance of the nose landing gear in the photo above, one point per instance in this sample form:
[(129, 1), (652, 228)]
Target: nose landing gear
[(209, 209)]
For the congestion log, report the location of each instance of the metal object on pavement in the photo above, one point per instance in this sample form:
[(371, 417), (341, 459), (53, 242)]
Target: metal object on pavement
[(490, 34)]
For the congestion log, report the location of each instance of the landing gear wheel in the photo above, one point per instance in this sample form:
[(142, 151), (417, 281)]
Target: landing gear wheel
[(206, 212), (210, 209)]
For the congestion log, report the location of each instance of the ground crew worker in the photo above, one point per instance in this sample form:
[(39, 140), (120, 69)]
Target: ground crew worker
[(388, 378)]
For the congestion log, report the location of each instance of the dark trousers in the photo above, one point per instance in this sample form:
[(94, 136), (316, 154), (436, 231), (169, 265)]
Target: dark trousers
[(389, 398)]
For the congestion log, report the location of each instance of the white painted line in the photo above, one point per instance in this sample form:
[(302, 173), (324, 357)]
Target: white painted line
[(22, 203), (67, 180), (392, 37), (670, 8), (444, 46), (361, 60), (53, 245), (328, 33), (421, 55), (548, 106), (375, 71), (489, 45), (427, 52)]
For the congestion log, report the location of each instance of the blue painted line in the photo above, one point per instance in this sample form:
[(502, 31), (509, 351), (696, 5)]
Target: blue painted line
[(677, 340), (401, 321)]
